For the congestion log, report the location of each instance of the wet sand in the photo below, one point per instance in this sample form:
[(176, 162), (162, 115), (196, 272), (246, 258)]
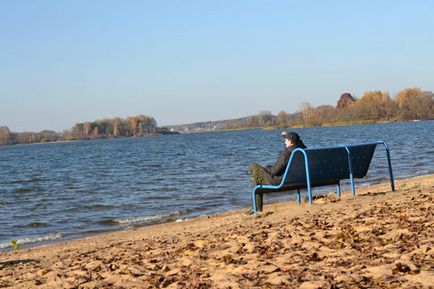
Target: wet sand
[(378, 239)]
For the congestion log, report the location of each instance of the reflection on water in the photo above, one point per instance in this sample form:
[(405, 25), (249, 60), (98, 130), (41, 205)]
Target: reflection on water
[(69, 190)]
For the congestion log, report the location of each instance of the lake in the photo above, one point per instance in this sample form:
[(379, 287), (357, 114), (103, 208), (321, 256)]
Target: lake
[(62, 191)]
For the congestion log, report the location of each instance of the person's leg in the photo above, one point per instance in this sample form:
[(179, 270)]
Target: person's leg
[(259, 202), (260, 176)]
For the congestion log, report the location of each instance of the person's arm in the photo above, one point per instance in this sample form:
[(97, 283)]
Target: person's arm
[(279, 167)]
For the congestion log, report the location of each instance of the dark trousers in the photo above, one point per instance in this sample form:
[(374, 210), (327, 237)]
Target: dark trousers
[(260, 176)]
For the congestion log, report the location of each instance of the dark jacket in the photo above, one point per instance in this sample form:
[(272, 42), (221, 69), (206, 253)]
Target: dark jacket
[(279, 167)]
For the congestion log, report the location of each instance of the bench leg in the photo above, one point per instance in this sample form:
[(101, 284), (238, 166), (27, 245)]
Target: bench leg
[(350, 168), (254, 201), (389, 163), (309, 189), (353, 189), (298, 197), (338, 190), (309, 192)]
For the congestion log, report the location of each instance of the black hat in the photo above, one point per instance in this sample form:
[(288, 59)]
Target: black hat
[(291, 135)]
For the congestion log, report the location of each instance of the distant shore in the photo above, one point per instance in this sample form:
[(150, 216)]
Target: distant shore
[(331, 124), (376, 239), (168, 132), (89, 139)]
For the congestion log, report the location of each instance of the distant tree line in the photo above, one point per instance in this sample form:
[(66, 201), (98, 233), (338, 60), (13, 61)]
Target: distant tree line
[(140, 125), (8, 137), (373, 106)]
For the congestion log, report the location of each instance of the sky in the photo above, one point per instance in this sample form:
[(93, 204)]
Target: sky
[(63, 62)]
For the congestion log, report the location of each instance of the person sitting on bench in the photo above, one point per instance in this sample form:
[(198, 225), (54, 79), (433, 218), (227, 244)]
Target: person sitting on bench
[(272, 174)]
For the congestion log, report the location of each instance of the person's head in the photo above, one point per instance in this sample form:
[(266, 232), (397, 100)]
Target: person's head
[(291, 138)]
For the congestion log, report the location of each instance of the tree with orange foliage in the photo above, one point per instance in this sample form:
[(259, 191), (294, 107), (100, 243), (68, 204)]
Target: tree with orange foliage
[(5, 135), (86, 129), (415, 104), (374, 105), (283, 119)]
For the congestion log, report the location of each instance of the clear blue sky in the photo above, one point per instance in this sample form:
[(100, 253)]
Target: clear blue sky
[(63, 62)]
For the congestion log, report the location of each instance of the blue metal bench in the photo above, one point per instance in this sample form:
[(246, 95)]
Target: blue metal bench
[(308, 168)]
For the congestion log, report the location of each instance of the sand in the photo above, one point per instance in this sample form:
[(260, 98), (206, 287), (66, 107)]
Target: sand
[(378, 239)]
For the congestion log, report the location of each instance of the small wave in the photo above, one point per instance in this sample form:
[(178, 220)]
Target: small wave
[(109, 222), (34, 225), (26, 181), (30, 240), (98, 207), (26, 190), (142, 219)]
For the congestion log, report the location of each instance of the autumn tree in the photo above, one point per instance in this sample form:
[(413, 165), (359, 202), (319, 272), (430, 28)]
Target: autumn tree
[(132, 125), (145, 124), (28, 137), (283, 119), (415, 104), (5, 135), (87, 128), (116, 124), (107, 127), (96, 132), (266, 118), (77, 131), (322, 114), (345, 100), (48, 136), (374, 105), (306, 109)]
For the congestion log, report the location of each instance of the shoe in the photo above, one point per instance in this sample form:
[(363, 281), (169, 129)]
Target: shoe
[(249, 212), (259, 203)]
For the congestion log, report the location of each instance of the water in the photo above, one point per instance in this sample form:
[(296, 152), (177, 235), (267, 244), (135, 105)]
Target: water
[(70, 190)]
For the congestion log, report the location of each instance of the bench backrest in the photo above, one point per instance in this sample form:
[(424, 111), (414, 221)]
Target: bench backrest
[(361, 157), (329, 164)]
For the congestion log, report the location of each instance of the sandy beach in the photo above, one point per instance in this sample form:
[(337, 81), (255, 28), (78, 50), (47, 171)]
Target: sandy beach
[(378, 239)]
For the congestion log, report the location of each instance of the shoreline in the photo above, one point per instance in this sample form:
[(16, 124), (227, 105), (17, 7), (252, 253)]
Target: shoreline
[(376, 239)]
